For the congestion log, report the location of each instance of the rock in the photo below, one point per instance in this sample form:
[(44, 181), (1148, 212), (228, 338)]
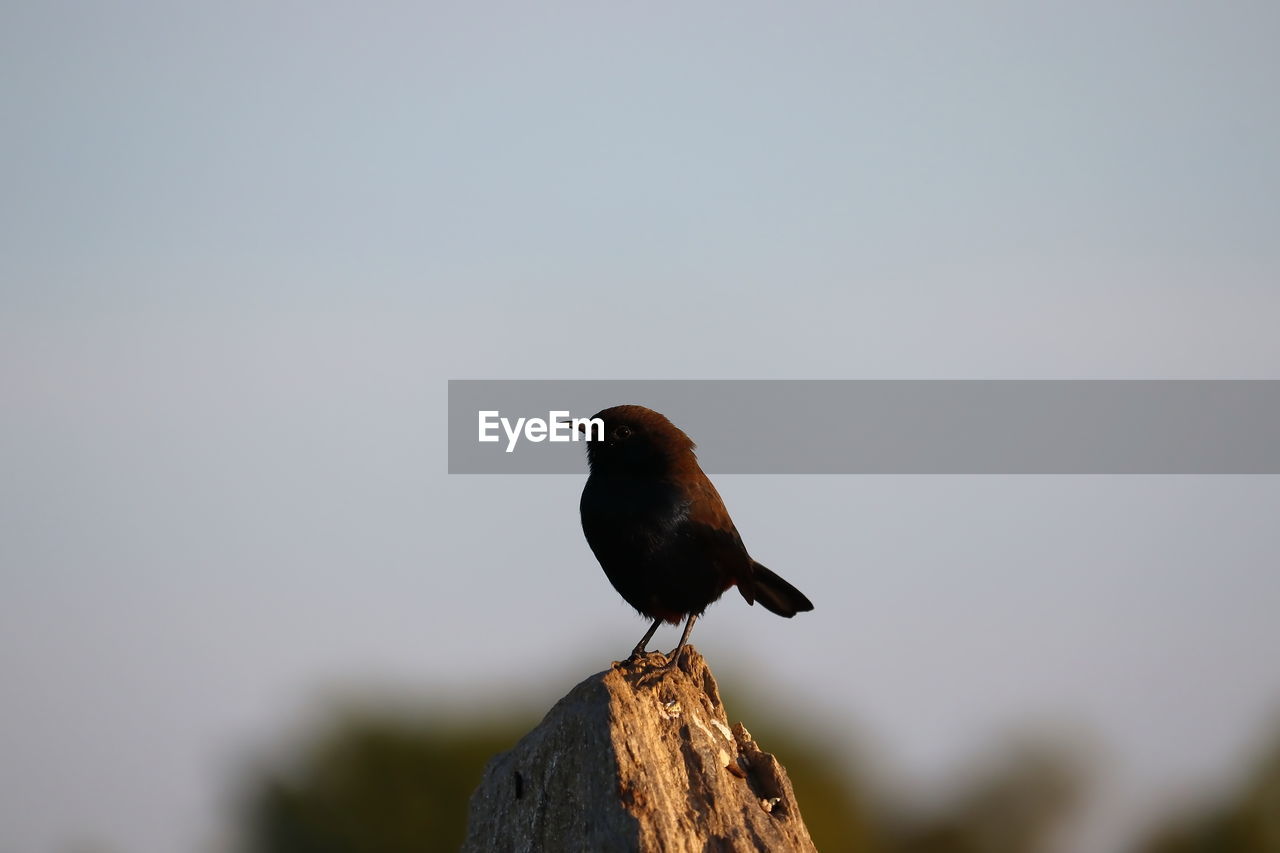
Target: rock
[(637, 758)]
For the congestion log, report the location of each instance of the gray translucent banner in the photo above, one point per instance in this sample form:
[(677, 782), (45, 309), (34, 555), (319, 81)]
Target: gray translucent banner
[(893, 427)]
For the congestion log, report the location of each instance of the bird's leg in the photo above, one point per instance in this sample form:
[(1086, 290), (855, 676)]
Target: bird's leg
[(684, 638), (644, 641)]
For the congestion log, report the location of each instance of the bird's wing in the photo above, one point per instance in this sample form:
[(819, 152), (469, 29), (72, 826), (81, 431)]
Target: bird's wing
[(708, 522)]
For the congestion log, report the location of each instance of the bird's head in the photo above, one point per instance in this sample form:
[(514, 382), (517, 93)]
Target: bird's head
[(638, 441)]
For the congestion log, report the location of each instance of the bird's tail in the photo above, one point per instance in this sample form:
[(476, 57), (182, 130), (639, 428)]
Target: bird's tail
[(774, 593)]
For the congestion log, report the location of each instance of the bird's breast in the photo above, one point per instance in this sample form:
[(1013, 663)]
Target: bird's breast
[(632, 514)]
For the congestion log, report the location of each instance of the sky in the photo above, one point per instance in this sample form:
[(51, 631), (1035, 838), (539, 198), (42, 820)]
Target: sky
[(243, 247)]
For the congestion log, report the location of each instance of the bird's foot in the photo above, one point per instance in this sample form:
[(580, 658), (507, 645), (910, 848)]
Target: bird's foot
[(642, 659)]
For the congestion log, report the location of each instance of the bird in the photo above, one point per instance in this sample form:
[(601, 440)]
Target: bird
[(660, 530)]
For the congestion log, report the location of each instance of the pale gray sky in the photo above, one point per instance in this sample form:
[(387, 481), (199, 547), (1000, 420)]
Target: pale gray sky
[(243, 247)]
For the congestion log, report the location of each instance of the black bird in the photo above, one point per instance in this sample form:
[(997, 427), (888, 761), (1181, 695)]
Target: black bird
[(660, 530)]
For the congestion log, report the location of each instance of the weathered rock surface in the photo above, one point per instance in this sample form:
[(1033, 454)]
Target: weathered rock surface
[(637, 758)]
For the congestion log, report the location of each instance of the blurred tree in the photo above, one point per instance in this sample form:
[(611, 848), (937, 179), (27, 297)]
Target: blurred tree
[(1015, 805), (381, 783), (376, 783), (1248, 822)]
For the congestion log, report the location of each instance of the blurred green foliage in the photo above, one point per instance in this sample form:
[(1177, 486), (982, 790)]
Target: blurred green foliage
[(376, 782), (1016, 803), (1245, 821)]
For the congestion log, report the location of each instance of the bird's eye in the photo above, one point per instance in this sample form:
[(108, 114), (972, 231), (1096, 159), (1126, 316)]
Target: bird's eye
[(622, 431)]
